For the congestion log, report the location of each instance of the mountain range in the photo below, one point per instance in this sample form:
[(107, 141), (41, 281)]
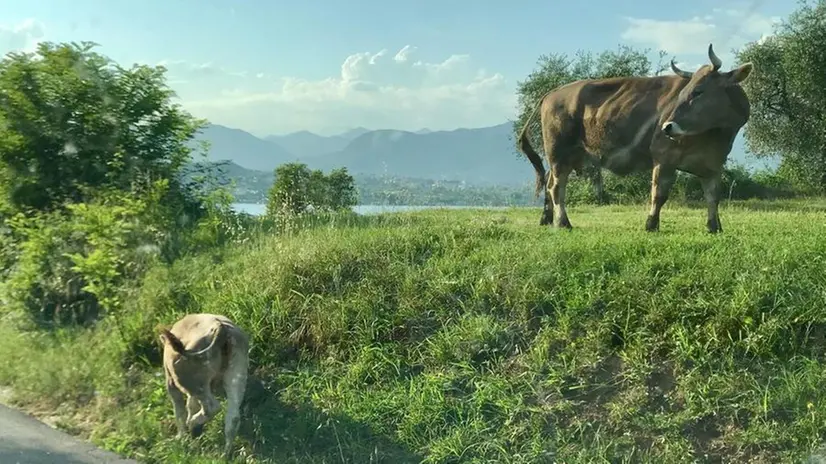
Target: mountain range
[(482, 156)]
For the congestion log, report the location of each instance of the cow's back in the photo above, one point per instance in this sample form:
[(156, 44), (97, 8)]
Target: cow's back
[(612, 119)]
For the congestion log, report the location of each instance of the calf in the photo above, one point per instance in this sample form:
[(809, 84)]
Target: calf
[(202, 353)]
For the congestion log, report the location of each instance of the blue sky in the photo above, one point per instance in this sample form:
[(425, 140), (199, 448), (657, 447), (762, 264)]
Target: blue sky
[(273, 67)]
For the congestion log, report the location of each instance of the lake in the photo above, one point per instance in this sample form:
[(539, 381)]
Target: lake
[(257, 209)]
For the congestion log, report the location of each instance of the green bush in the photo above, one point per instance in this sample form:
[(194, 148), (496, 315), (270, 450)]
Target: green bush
[(738, 184), (71, 265)]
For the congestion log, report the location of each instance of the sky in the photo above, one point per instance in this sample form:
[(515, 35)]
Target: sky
[(275, 67)]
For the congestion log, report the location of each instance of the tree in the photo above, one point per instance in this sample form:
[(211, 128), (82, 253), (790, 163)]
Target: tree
[(92, 188), (788, 95), (296, 188), (555, 70), (290, 190), (72, 122), (342, 189), (318, 192)]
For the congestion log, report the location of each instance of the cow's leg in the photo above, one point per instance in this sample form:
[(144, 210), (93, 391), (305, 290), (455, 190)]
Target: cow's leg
[(548, 208), (559, 176), (179, 404), (662, 179), (235, 384), (550, 141), (599, 186), (712, 189)]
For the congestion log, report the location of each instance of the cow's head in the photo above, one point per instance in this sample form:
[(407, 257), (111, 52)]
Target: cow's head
[(711, 99)]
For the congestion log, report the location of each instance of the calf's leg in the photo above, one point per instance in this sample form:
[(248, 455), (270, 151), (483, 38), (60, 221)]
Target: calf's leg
[(235, 384), (209, 408), (178, 403)]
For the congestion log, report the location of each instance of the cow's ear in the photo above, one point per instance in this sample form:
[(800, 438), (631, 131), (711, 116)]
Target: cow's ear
[(740, 73)]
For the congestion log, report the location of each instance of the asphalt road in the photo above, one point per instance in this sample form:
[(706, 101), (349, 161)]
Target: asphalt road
[(25, 440)]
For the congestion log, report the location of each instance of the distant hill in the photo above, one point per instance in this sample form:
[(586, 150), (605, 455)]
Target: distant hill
[(482, 156), (478, 156), (228, 169), (244, 148), (353, 133), (305, 144)]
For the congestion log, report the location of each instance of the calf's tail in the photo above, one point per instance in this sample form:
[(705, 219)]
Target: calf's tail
[(173, 341), (219, 336)]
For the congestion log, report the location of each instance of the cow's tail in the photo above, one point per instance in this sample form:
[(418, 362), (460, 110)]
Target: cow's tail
[(527, 149)]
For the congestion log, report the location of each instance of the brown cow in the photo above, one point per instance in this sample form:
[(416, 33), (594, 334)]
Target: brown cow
[(684, 122), (201, 353)]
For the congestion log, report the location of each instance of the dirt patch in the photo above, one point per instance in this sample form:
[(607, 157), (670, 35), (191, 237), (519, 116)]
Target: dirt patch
[(61, 419), (5, 395)]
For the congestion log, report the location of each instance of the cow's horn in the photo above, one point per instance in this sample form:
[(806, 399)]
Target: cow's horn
[(715, 60), (679, 71)]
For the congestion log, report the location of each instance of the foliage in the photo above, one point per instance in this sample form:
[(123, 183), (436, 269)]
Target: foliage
[(71, 265), (788, 95), (296, 189), (467, 336), (71, 121), (738, 184), (342, 192), (290, 190), (93, 182)]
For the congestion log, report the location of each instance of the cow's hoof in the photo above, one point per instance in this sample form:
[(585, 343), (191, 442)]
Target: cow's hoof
[(546, 221)]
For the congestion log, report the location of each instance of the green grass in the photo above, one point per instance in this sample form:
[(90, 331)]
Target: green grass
[(479, 337)]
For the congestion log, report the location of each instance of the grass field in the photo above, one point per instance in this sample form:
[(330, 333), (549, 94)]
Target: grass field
[(478, 337)]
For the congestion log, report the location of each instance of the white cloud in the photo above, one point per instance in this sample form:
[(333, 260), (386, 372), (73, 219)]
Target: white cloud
[(183, 69), (404, 53), (672, 36), (21, 37), (373, 89), (726, 28)]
